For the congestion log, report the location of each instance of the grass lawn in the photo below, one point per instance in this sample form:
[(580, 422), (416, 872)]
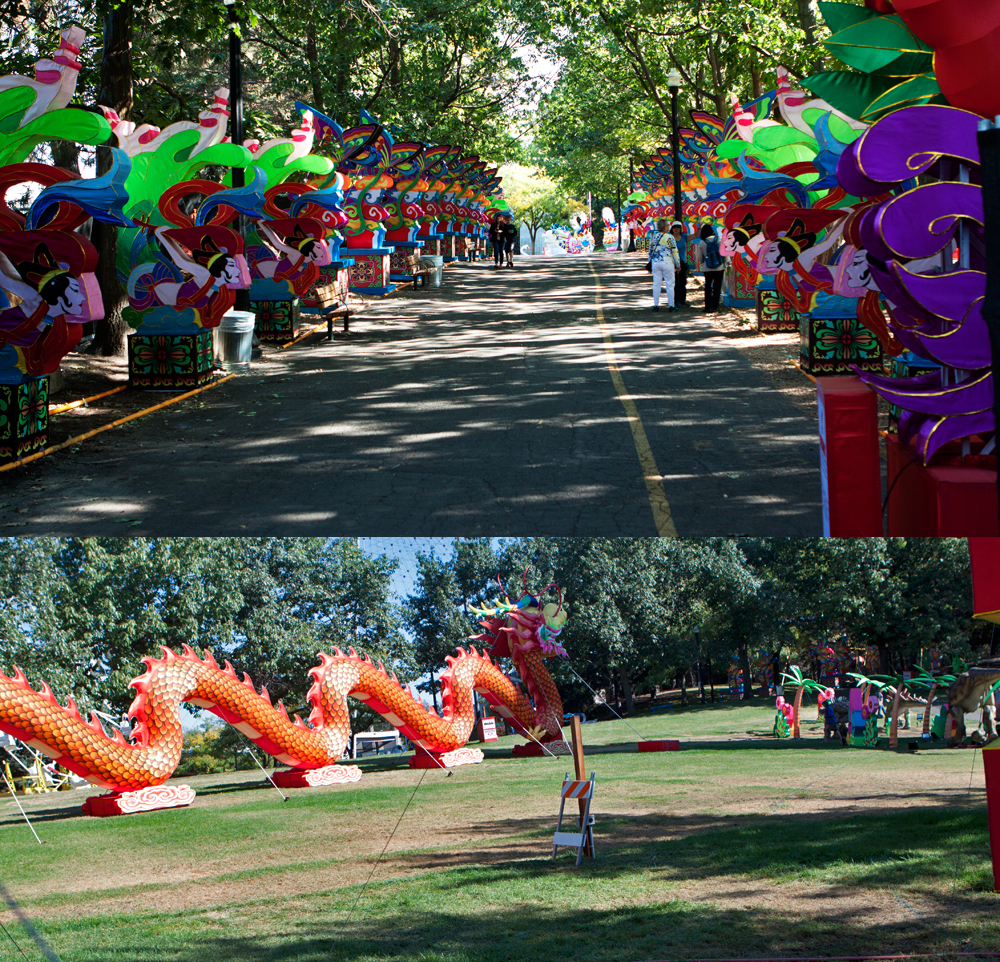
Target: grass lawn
[(737, 846)]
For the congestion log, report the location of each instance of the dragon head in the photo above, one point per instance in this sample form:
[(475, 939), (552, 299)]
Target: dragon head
[(516, 627)]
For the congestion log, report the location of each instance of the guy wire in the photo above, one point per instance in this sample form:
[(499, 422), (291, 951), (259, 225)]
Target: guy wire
[(642, 738), (386, 846), (11, 937)]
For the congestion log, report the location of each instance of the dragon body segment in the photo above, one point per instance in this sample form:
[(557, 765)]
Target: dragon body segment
[(36, 718)]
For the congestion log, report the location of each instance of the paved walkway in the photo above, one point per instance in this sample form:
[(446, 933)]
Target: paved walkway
[(496, 405)]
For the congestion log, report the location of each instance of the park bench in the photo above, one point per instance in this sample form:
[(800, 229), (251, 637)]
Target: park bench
[(331, 304), (418, 269)]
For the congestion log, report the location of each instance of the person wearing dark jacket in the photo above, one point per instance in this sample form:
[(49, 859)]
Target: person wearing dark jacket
[(711, 262), (509, 233), (496, 240)]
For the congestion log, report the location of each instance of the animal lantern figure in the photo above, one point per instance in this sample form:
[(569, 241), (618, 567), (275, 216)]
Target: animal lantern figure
[(134, 771)]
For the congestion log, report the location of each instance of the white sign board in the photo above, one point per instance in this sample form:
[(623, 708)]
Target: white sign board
[(489, 729)]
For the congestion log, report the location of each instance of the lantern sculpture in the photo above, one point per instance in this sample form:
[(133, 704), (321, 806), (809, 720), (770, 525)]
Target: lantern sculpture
[(133, 772), (48, 289)]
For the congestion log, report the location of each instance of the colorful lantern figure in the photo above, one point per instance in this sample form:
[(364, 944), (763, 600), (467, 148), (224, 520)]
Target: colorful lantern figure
[(198, 286), (923, 249), (303, 248), (783, 718), (47, 285), (735, 680), (794, 678), (293, 244), (50, 276), (402, 202), (428, 234), (55, 79), (892, 68), (180, 284), (525, 630), (190, 267)]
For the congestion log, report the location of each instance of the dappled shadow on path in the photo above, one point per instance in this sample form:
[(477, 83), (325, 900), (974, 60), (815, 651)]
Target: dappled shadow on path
[(482, 407)]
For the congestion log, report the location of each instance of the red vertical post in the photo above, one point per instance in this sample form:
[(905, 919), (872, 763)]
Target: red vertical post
[(984, 556), (991, 763), (851, 476)]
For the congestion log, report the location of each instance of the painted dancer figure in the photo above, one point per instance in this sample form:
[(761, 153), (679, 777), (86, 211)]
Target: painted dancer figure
[(48, 277)]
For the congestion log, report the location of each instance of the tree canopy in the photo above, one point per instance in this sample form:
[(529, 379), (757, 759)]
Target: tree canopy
[(81, 613)]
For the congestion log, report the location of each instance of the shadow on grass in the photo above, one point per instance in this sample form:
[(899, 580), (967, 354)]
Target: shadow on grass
[(900, 845), (625, 905), (54, 814)]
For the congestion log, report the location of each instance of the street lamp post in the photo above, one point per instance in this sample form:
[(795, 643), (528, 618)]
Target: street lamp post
[(674, 84), (631, 189), (236, 120)]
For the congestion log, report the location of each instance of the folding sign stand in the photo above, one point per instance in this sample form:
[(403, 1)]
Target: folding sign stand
[(572, 788)]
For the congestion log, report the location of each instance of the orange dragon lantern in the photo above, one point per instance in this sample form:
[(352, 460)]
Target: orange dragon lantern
[(134, 771)]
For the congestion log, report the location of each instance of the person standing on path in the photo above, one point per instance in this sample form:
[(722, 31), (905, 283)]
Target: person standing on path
[(709, 260), (509, 233), (680, 279), (496, 239), (665, 262)]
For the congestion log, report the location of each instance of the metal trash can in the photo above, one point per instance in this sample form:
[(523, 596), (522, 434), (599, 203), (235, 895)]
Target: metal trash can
[(233, 341), (436, 261)]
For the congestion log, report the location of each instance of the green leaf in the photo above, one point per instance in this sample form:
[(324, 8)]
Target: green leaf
[(873, 44), (920, 90), (839, 16)]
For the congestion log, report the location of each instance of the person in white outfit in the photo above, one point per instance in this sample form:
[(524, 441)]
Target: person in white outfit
[(665, 261)]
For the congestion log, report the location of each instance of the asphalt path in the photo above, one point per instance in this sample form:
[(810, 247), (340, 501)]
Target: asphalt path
[(541, 400)]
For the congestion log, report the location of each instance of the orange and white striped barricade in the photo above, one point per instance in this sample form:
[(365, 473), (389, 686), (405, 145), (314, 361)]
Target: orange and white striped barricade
[(576, 789)]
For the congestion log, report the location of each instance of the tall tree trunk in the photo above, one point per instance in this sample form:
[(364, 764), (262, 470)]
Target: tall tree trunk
[(747, 674), (718, 87), (884, 660), (809, 21), (756, 77), (312, 58), (395, 54), (434, 692), (66, 153), (627, 691), (116, 93), (342, 78)]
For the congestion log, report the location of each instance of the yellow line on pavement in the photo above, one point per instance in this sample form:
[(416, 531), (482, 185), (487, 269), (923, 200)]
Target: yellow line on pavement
[(650, 472)]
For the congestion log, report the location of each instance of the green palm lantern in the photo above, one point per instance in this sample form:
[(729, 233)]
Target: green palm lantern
[(794, 677)]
